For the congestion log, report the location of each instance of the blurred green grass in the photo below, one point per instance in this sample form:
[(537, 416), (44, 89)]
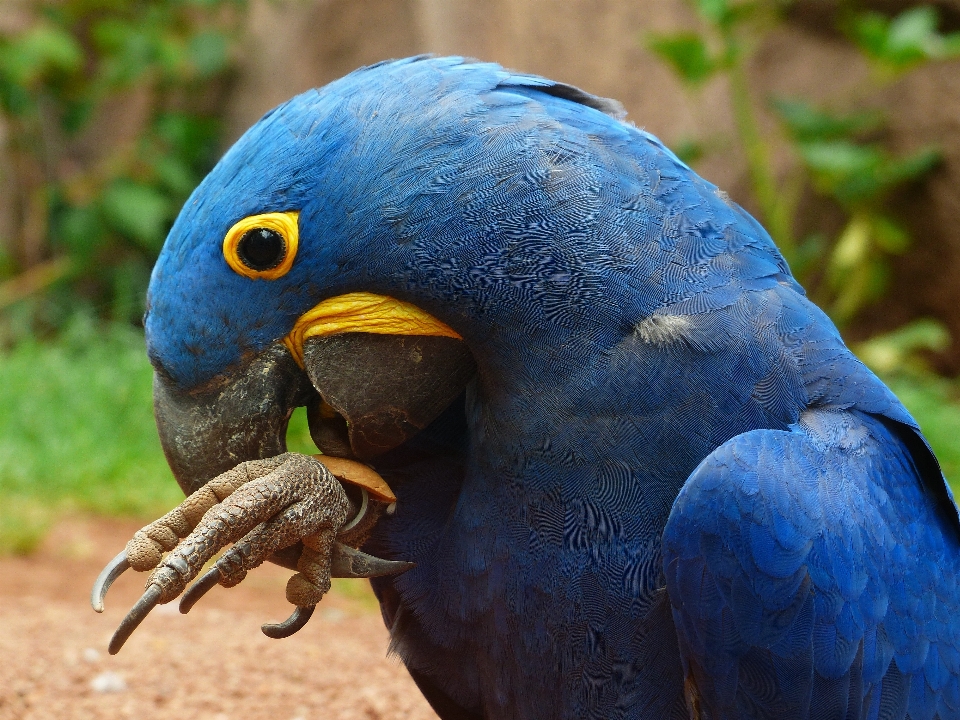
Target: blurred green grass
[(77, 431)]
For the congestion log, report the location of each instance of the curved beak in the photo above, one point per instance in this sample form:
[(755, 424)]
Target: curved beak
[(366, 394), (208, 430), (380, 390)]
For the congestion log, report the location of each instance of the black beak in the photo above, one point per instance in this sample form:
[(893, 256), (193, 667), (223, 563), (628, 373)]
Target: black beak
[(244, 416), (377, 391), (380, 390)]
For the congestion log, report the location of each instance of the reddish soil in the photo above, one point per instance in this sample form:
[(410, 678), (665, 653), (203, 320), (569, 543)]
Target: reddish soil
[(213, 664)]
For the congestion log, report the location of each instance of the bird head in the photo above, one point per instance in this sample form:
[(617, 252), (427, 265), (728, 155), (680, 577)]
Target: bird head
[(357, 251), (287, 280)]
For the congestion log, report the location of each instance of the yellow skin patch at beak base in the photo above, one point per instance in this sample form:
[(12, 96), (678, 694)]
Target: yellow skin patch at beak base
[(284, 223), (363, 312)]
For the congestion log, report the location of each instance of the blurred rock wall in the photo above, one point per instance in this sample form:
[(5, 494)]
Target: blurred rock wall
[(294, 45)]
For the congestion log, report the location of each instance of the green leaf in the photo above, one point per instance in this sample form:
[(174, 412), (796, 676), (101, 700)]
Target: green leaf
[(913, 33), (16, 98), (193, 139), (130, 280), (40, 50), (110, 34), (950, 47), (80, 230), (838, 159), (175, 175), (137, 211), (686, 53), (869, 31), (172, 56), (806, 122), (713, 11), (854, 173), (808, 253), (905, 41), (724, 14), (127, 51), (852, 248), (208, 52), (890, 235), (76, 114), (896, 171), (892, 352)]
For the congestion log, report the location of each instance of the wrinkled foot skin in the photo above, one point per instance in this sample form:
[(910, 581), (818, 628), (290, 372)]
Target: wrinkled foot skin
[(261, 506)]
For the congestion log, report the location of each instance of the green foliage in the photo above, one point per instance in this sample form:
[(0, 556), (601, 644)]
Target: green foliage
[(689, 150), (298, 434), (856, 173), (77, 432), (900, 352), (688, 55), (901, 43), (809, 124), (105, 201), (837, 155), (844, 163)]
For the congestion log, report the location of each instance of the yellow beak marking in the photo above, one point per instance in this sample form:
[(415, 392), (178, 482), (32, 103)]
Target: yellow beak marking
[(363, 312)]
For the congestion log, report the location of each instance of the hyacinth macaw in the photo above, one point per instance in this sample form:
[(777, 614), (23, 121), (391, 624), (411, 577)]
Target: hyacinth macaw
[(637, 473)]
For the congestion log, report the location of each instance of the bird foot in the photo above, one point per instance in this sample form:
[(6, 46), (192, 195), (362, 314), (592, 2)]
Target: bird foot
[(259, 506)]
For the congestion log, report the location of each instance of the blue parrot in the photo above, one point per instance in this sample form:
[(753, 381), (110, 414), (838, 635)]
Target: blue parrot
[(637, 470)]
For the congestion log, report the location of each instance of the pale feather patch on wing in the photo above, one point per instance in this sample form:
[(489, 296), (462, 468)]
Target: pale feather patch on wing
[(827, 427), (663, 329)]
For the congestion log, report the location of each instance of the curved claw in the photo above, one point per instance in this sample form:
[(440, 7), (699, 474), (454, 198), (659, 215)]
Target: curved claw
[(364, 505), (200, 588), (147, 602), (348, 562), (114, 569), (300, 616)]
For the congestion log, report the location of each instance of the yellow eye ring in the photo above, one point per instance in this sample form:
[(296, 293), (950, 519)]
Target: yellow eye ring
[(263, 246)]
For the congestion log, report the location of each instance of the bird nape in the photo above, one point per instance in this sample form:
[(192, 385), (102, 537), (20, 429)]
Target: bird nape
[(597, 451)]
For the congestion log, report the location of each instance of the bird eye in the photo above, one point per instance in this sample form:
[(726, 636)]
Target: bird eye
[(261, 249), (262, 246)]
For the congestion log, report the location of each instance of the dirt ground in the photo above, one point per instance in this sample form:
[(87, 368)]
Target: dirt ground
[(213, 664)]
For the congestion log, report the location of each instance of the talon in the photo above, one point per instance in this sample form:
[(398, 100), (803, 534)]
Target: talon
[(348, 562), (133, 619), (114, 569), (293, 624), (364, 504), (200, 588)]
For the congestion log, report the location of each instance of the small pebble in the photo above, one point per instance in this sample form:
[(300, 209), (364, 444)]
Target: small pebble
[(108, 682), (90, 655)]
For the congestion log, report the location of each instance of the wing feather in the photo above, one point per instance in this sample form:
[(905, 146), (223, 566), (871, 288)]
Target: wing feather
[(813, 575)]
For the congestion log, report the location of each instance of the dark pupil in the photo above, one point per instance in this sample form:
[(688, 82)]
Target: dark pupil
[(261, 248)]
